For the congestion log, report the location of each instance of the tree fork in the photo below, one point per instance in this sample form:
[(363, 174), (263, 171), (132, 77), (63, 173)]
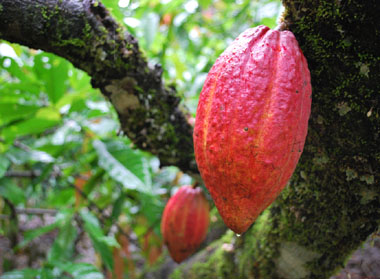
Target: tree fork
[(85, 34)]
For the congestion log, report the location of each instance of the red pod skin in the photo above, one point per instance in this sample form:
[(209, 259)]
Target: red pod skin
[(251, 123), (185, 221)]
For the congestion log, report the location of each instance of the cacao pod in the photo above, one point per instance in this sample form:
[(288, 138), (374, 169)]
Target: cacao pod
[(251, 123), (185, 221)]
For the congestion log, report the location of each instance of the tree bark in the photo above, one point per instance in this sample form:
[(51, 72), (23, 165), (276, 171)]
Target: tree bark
[(83, 32), (332, 203)]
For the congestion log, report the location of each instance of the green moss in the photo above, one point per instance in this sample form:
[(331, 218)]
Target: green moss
[(219, 265)]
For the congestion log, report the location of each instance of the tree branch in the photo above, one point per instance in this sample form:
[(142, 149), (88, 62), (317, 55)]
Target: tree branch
[(84, 33), (33, 211), (22, 174)]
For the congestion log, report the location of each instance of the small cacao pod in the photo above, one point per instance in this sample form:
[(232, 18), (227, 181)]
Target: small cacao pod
[(185, 221), (251, 123)]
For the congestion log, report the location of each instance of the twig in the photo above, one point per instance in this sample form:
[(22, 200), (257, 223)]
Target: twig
[(22, 146), (36, 211), (22, 174), (30, 211), (13, 228)]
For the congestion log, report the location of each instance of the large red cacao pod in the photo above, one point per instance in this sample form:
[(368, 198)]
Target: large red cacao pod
[(185, 222), (251, 123)]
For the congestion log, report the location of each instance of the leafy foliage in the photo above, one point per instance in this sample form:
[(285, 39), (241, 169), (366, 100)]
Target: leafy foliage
[(60, 148)]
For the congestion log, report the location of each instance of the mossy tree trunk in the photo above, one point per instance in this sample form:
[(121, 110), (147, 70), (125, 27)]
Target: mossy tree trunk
[(332, 203)]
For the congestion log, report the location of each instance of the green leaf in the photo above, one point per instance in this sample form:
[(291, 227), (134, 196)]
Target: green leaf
[(149, 24), (92, 227), (14, 69), (118, 206), (27, 273), (92, 182), (113, 6), (116, 170), (53, 71), (45, 118), (205, 3), (63, 246), (11, 191), (4, 164), (19, 156), (60, 218), (82, 271), (133, 160), (10, 111)]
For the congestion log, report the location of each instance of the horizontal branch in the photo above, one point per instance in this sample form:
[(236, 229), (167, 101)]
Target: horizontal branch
[(22, 174), (84, 33), (30, 211)]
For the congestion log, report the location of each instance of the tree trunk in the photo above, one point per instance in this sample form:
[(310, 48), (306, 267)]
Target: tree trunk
[(332, 203)]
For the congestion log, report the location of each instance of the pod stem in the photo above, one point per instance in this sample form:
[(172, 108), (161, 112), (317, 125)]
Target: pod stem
[(282, 25), (195, 184)]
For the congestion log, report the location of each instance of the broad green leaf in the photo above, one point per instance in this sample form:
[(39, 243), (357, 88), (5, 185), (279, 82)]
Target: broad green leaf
[(149, 24), (33, 88), (151, 207), (69, 98), (19, 156), (60, 218), (63, 246), (10, 65), (205, 3), (53, 71), (92, 227), (113, 6), (116, 170), (81, 270), (117, 207), (94, 179), (40, 156), (45, 118), (27, 273), (4, 164), (134, 160), (11, 191), (61, 198), (13, 111)]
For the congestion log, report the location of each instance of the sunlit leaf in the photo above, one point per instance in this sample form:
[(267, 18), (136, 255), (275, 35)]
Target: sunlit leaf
[(12, 192), (116, 170), (13, 111), (27, 273), (54, 72), (60, 218), (4, 164), (63, 246), (149, 24), (45, 118), (82, 270), (92, 227)]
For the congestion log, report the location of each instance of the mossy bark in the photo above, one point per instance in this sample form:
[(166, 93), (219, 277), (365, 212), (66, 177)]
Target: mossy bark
[(332, 203)]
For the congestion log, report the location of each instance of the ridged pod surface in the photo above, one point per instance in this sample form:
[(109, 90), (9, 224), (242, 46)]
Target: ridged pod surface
[(251, 123), (185, 222)]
